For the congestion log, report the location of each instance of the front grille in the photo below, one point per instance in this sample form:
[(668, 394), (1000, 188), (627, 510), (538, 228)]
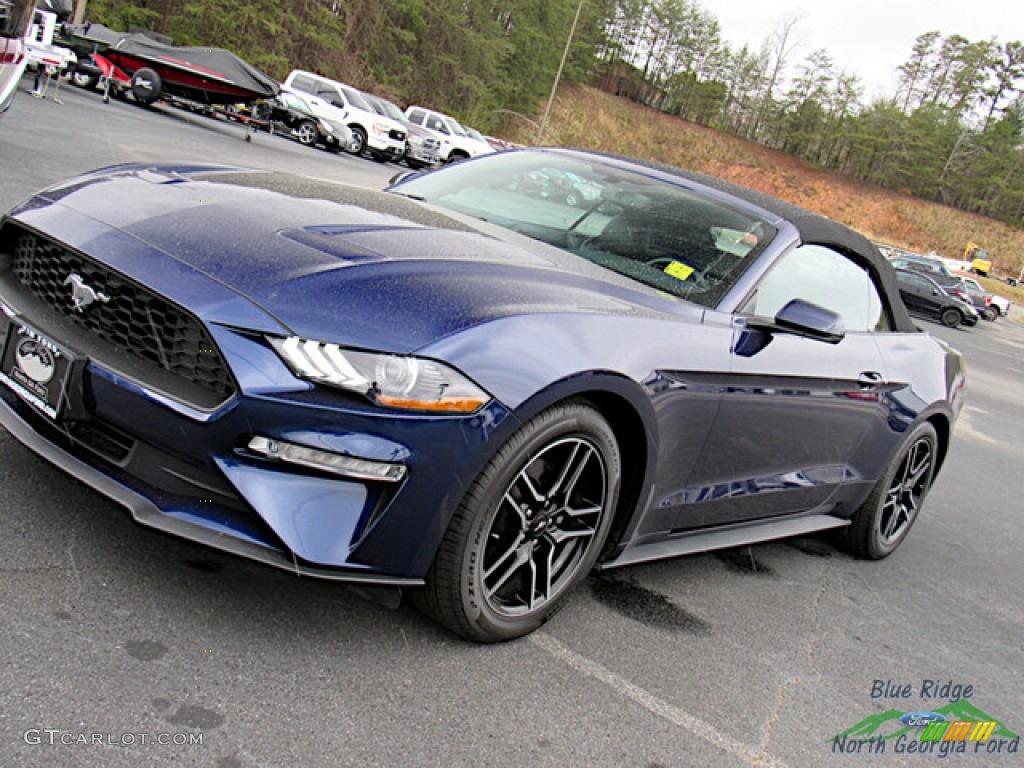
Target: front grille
[(431, 144), (134, 319), (396, 134)]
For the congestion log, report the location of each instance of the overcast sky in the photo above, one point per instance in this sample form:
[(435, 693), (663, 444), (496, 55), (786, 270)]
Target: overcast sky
[(869, 38)]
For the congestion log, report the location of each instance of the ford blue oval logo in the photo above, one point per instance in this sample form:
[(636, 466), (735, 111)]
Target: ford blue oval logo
[(922, 718)]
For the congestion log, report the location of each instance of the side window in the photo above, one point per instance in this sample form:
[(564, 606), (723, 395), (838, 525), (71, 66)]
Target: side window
[(416, 116), (437, 124), (919, 284), (303, 83), (825, 277), (330, 95)]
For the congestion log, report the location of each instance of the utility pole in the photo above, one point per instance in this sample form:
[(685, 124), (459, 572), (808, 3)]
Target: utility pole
[(79, 16), (558, 75)]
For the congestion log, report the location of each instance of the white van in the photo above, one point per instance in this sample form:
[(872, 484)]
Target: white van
[(380, 136)]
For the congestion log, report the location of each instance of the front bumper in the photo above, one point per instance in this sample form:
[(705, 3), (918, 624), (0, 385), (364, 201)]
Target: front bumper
[(421, 155), (385, 146), (180, 522), (193, 475)]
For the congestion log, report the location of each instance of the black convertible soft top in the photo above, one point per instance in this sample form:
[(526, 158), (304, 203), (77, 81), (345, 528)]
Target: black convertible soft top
[(213, 62)]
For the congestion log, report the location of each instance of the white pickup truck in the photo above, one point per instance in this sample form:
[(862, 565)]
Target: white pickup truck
[(456, 144)]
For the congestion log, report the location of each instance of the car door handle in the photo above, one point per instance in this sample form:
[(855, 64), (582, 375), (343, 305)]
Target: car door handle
[(870, 379)]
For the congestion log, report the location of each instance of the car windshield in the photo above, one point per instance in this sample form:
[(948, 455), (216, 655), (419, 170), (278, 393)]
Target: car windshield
[(296, 102), (656, 232), (356, 99), (454, 127), (390, 110)]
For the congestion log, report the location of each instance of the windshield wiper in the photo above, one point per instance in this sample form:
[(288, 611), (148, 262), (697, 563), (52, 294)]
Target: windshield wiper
[(418, 198)]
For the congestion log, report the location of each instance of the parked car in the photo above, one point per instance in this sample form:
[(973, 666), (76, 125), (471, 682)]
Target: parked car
[(15, 17), (919, 263), (925, 297), (379, 136), (466, 392), (457, 142), (292, 115), (951, 284), (422, 147), (498, 144), (1000, 304)]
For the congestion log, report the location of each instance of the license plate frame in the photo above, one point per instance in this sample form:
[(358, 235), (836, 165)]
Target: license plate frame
[(36, 368)]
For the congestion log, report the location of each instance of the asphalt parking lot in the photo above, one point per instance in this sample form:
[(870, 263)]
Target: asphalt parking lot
[(125, 647)]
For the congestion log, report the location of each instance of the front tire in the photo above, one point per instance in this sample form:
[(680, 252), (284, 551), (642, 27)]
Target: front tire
[(529, 528), (885, 519), (358, 140)]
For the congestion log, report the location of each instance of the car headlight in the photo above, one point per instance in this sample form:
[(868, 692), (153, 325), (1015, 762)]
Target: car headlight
[(396, 381), (415, 140), (381, 130)]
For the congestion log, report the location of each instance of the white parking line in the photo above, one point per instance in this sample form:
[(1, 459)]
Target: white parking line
[(652, 703)]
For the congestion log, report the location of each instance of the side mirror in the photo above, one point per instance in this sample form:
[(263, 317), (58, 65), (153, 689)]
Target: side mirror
[(799, 318), (806, 319)]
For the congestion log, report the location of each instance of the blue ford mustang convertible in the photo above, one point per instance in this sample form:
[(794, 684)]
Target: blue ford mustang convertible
[(463, 386)]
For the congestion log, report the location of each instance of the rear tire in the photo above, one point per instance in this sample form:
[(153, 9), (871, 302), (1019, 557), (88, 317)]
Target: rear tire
[(84, 80), (885, 519), (529, 528), (306, 133)]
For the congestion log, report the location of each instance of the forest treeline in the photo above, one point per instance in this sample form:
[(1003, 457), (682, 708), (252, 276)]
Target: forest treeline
[(952, 133)]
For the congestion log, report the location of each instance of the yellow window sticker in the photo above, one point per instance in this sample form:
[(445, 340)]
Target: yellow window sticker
[(679, 270)]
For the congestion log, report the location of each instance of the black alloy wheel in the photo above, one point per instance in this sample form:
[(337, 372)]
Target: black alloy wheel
[(885, 519), (529, 529)]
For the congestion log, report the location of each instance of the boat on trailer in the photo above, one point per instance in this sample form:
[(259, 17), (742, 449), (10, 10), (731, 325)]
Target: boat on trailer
[(151, 70)]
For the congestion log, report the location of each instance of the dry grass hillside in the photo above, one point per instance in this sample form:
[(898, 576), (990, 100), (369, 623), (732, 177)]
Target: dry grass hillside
[(586, 117)]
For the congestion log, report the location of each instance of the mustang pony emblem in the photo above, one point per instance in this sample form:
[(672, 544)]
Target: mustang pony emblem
[(81, 294)]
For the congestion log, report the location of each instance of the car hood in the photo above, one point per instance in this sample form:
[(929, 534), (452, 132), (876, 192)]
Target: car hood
[(330, 262)]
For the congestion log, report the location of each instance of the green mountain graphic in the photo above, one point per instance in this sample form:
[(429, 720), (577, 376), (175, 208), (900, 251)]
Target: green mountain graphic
[(881, 725)]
